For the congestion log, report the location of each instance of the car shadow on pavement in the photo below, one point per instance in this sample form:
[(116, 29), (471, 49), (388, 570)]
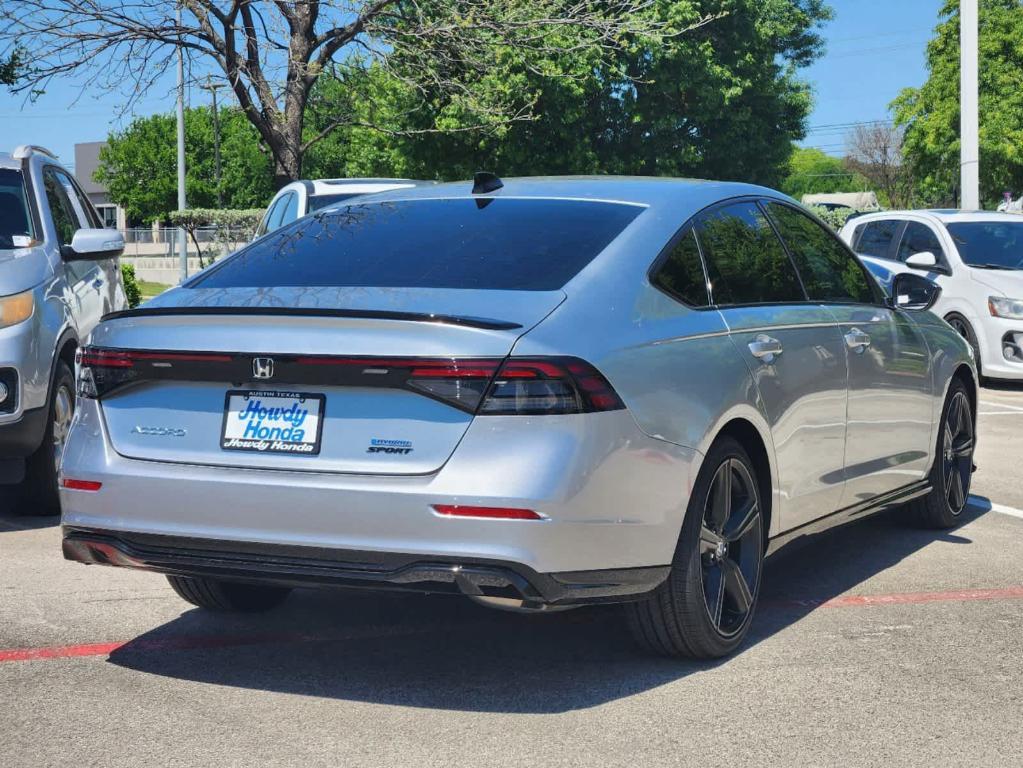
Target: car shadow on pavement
[(11, 521), (443, 652)]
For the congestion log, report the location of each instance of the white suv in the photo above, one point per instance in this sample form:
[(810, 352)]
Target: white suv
[(976, 258)]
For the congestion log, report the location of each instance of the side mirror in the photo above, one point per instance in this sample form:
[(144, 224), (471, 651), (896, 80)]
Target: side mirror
[(93, 245), (926, 261), (914, 292)]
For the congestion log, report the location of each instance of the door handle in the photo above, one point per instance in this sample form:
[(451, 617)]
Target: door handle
[(765, 348), (857, 340)]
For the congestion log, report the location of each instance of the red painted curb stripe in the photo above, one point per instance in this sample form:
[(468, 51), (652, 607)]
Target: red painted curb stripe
[(908, 598), (188, 642), (191, 642)]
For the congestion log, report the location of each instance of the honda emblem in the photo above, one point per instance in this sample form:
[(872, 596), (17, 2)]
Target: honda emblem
[(263, 367)]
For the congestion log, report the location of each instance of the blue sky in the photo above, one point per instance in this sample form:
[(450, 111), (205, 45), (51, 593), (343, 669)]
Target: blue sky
[(875, 49)]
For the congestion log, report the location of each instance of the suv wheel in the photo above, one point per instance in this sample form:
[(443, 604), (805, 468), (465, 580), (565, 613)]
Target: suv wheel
[(228, 596), (953, 463), (39, 495), (705, 607)]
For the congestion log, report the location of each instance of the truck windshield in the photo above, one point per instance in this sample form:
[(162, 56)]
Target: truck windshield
[(15, 222)]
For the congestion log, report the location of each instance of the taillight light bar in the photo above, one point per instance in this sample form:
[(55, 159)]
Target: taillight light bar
[(484, 386)]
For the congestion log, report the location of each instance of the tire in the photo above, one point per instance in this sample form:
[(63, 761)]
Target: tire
[(228, 596), (963, 328), (953, 463), (38, 493), (705, 607)]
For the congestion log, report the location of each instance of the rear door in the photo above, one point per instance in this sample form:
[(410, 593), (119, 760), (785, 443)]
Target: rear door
[(794, 351), (890, 390)]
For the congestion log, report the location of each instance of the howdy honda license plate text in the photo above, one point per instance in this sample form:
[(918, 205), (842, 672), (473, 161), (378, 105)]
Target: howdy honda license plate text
[(273, 422)]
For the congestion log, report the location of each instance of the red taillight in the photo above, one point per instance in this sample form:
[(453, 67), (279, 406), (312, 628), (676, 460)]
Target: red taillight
[(102, 370), (81, 485), (496, 513), (484, 386), (549, 385)]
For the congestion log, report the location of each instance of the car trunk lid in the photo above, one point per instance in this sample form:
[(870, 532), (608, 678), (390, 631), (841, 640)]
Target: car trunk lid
[(372, 369)]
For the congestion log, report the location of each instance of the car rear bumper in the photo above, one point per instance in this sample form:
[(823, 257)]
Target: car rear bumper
[(313, 566), (610, 497)]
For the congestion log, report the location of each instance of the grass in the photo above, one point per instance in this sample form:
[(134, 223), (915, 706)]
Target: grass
[(149, 290)]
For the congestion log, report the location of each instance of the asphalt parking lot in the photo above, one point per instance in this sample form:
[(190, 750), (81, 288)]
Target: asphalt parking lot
[(877, 645)]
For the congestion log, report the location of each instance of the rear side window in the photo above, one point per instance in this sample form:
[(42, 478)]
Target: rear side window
[(746, 263), (829, 271), (518, 244), (681, 275), (876, 237), (919, 238)]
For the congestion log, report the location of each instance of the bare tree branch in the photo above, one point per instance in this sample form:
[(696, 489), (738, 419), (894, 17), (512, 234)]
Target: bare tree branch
[(273, 52)]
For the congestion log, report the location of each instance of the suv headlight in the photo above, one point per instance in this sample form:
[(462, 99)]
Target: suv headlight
[(16, 309), (1011, 309)]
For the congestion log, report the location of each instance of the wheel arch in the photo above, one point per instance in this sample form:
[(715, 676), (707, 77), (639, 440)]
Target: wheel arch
[(759, 449)]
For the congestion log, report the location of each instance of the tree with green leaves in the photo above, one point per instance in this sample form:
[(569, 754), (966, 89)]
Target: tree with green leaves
[(11, 67), (812, 171), (930, 114), (139, 164), (724, 100), (272, 53)]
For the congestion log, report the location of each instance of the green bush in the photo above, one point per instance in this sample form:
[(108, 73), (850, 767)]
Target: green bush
[(131, 285), (835, 219)]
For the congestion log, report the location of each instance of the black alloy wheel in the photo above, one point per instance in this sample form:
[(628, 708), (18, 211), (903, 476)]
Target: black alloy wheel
[(957, 452), (731, 543)]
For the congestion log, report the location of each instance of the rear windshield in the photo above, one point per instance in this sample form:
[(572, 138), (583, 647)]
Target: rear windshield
[(14, 219), (488, 244), (992, 244)]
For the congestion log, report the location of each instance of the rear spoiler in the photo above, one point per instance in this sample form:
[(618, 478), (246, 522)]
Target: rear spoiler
[(484, 323)]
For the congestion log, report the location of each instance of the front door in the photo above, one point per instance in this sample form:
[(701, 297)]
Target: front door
[(890, 400), (888, 443)]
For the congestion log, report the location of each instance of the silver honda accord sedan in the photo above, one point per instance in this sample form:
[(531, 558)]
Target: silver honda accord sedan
[(538, 393)]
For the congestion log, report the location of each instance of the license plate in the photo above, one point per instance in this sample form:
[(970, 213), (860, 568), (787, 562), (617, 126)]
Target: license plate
[(268, 421)]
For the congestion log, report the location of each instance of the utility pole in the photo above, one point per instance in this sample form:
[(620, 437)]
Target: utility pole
[(182, 202), (213, 87), (969, 129)]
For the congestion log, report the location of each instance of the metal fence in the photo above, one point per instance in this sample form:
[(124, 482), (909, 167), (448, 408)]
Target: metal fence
[(154, 252), (168, 235)]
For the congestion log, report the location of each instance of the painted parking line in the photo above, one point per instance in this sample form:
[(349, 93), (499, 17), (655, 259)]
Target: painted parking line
[(192, 642), (986, 505)]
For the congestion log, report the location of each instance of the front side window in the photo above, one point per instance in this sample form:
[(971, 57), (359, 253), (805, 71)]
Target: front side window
[(746, 263), (875, 238), (989, 244), (919, 238), (680, 274), (65, 220), (15, 220), (519, 244), (830, 273)]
